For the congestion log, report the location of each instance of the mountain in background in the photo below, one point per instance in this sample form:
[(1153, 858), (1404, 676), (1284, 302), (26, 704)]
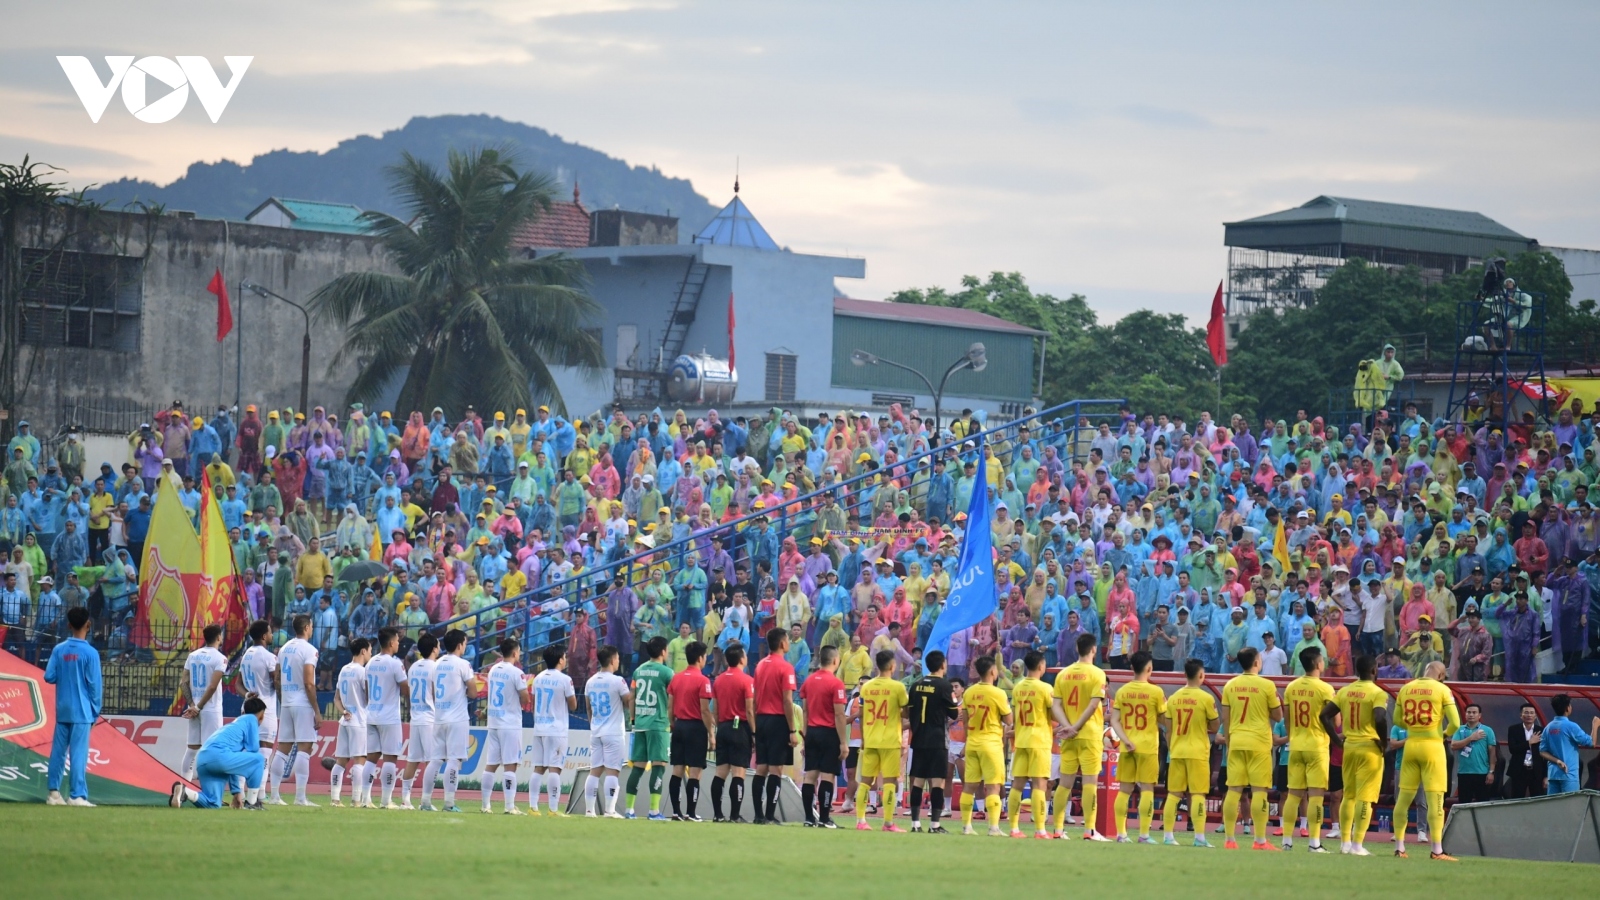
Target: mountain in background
[(353, 172)]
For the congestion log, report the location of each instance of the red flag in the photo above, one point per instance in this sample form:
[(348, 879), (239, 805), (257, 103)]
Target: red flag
[(730, 330), (224, 308), (1216, 336)]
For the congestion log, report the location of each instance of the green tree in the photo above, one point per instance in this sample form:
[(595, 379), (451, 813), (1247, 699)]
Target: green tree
[(466, 322)]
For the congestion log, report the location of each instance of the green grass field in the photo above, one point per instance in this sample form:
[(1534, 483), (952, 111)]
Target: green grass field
[(344, 853)]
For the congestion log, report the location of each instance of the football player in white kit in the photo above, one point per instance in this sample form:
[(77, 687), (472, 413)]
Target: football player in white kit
[(259, 672), (553, 699), (452, 688), (298, 713), (386, 684), (202, 703), (610, 708), (350, 705), (419, 749), (507, 694)]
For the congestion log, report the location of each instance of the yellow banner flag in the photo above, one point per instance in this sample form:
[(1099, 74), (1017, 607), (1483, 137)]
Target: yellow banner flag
[(1280, 548), (221, 600), (376, 552), (169, 578)]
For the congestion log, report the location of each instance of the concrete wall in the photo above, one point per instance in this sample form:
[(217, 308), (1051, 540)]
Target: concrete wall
[(179, 356), (1583, 268)]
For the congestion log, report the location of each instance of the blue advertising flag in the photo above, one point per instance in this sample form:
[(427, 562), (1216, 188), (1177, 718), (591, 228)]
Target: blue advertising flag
[(972, 595)]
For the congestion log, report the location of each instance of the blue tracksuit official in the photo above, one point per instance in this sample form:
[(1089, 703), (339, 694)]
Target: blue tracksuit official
[(234, 751), (74, 669)]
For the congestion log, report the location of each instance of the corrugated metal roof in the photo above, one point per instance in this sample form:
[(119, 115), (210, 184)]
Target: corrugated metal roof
[(563, 226), (1399, 215), (736, 226), (947, 316), (317, 215)]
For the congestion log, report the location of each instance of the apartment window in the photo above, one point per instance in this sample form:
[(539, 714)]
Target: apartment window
[(780, 376), (71, 299)]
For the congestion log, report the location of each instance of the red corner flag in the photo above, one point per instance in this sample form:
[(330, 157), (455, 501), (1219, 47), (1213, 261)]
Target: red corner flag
[(224, 308), (730, 330), (1216, 337)]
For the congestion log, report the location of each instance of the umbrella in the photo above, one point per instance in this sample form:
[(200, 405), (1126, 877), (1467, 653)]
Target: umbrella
[(362, 570)]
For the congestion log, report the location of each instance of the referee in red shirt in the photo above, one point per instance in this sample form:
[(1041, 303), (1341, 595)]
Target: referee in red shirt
[(776, 734), (827, 736), (735, 693), (690, 692)]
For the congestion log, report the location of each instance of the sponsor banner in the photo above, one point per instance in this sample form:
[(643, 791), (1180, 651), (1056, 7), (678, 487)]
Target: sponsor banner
[(167, 737), (120, 772)]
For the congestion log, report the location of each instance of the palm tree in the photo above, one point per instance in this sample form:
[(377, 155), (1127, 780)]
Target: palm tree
[(466, 322)]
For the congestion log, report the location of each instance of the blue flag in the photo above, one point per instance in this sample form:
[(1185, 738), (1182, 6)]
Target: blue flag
[(972, 595)]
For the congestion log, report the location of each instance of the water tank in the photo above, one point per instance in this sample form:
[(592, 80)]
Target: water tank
[(701, 378)]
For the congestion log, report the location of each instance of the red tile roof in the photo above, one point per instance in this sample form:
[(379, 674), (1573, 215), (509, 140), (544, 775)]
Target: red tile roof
[(564, 225), (950, 317)]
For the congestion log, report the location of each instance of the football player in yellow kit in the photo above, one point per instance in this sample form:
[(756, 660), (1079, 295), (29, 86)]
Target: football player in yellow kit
[(1426, 709), (1136, 721)]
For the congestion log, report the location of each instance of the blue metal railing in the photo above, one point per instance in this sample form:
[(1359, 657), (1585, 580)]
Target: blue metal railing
[(525, 617)]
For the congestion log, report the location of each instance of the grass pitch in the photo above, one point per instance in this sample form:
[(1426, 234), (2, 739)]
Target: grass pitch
[(347, 853)]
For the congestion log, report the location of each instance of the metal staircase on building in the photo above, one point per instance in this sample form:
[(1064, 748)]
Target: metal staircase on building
[(647, 383)]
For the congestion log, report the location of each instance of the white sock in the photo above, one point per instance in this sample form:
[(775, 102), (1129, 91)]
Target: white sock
[(189, 756), (487, 781), (452, 774), (591, 788), (535, 790), (337, 782), (430, 773), (251, 795), (388, 783), (553, 785), (612, 785), (278, 771), (508, 787), (369, 774), (405, 783), (302, 774)]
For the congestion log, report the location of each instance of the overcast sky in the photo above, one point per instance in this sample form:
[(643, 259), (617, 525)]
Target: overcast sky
[(1095, 148)]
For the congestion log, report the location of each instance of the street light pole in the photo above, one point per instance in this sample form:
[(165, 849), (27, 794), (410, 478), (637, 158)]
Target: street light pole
[(305, 341), (976, 359)]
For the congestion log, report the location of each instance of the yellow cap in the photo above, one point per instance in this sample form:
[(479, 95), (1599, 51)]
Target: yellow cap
[(522, 412), (865, 457), (499, 417), (544, 409), (199, 422)]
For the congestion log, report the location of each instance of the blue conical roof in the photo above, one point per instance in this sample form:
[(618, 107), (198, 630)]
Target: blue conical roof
[(735, 226)]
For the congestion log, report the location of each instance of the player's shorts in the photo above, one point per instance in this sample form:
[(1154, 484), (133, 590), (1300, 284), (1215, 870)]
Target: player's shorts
[(1335, 779), (772, 741), (351, 741), (1080, 757), (735, 744), (852, 759), (1250, 768), (1561, 786), (876, 761), (1363, 771), (502, 747), (295, 725), (1031, 762), (203, 726), (1423, 768), (1188, 776), (549, 750), (450, 740), (607, 751), (419, 749), (1055, 766), (985, 765), (649, 746), (1138, 768), (385, 739), (822, 749), (269, 726), (1308, 769), (930, 762), (689, 743)]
